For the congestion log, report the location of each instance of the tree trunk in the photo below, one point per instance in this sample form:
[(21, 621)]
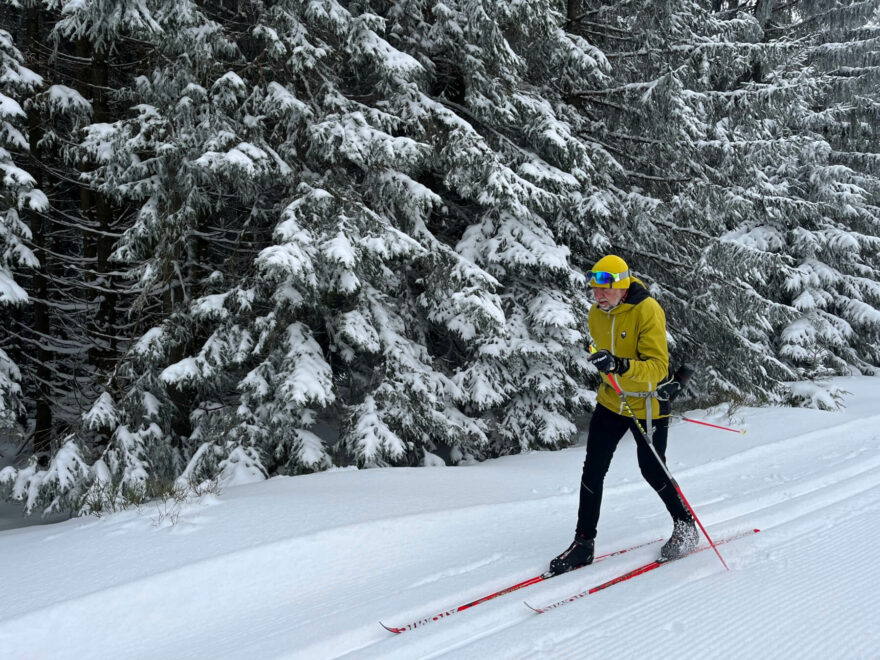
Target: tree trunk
[(38, 225), (93, 79), (763, 9), (106, 319)]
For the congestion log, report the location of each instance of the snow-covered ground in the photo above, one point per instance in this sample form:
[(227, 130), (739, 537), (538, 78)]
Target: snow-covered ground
[(306, 567)]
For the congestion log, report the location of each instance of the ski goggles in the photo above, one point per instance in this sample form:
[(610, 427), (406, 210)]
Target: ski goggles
[(604, 278)]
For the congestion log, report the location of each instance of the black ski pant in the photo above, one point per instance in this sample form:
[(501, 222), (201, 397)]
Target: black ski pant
[(606, 430)]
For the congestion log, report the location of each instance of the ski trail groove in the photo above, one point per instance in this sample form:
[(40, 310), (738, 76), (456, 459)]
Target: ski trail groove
[(784, 506)]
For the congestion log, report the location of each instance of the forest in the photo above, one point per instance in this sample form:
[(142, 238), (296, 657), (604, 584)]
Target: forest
[(248, 238)]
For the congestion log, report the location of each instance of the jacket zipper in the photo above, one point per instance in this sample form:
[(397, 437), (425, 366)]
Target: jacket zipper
[(613, 320), (613, 337)]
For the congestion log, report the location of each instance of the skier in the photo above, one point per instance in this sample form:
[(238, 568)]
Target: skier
[(628, 328)]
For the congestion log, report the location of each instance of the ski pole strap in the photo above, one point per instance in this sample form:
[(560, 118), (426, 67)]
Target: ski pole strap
[(640, 395), (649, 410)]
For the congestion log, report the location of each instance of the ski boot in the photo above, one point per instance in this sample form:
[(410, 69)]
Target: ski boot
[(579, 553), (683, 541)]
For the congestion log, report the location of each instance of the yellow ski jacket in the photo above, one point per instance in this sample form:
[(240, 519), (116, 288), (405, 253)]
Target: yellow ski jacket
[(635, 329)]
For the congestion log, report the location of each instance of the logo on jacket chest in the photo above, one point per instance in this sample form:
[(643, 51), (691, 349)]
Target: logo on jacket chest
[(623, 335)]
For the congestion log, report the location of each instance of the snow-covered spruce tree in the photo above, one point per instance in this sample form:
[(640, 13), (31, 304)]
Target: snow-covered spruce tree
[(806, 241), (843, 262), (340, 217), (656, 116), (18, 191), (523, 196), (709, 120), (492, 298), (191, 157), (389, 251), (70, 333)]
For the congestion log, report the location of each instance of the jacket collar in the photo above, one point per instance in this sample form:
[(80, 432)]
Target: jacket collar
[(635, 294)]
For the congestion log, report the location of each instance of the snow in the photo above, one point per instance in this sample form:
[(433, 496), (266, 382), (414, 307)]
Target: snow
[(341, 250), (10, 291), (277, 96), (9, 107), (369, 44), (310, 378), (244, 157), (188, 368), (102, 414), (64, 99), (211, 306), (305, 567), (550, 307)]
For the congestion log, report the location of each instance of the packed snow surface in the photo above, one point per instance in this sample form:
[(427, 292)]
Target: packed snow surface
[(306, 567)]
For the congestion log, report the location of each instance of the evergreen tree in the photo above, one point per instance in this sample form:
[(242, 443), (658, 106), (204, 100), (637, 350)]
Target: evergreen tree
[(673, 80), (733, 207), (837, 283), (278, 237), (807, 235), (69, 336), (357, 227), (18, 192)]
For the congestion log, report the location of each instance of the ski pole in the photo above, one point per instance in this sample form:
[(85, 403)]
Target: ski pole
[(682, 377), (660, 462), (714, 426)]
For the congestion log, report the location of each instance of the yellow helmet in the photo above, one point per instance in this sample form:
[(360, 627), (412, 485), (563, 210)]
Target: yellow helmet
[(610, 272)]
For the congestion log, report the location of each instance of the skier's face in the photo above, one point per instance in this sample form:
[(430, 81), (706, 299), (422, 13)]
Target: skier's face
[(608, 298)]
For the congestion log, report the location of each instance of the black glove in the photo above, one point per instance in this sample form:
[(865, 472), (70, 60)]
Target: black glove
[(607, 363), (669, 390)]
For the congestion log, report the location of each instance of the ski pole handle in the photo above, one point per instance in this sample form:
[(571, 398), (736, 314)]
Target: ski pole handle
[(611, 380)]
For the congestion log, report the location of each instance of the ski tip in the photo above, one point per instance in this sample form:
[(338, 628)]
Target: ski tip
[(533, 609), (396, 631)]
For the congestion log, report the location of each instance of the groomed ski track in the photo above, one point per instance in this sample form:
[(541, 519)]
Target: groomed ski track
[(305, 567), (815, 517)]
